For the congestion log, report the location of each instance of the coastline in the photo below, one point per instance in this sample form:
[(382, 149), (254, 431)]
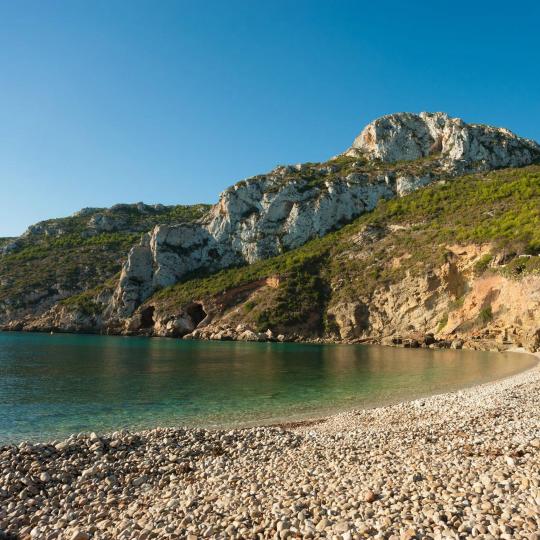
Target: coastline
[(459, 464), (295, 412), (317, 420)]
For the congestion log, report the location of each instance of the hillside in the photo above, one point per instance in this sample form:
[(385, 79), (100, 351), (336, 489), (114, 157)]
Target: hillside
[(269, 214), (425, 231), (57, 258), (458, 257)]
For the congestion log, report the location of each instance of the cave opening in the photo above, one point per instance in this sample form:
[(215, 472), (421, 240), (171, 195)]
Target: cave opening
[(196, 313), (147, 317)]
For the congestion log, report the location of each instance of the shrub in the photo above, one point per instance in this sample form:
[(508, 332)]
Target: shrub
[(482, 264), (485, 315), (443, 322)]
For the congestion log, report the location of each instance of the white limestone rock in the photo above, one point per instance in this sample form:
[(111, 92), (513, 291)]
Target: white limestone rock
[(408, 184), (266, 215), (135, 283), (105, 223), (407, 136), (254, 220)]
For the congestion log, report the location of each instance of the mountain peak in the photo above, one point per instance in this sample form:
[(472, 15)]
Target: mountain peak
[(410, 136)]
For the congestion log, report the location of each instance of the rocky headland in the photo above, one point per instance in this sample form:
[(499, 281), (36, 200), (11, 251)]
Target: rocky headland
[(422, 232)]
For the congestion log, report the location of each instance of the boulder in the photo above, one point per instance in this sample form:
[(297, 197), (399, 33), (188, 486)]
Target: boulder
[(248, 335), (176, 327), (531, 340)]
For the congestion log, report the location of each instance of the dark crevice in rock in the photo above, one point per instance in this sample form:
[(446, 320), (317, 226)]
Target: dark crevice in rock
[(147, 317), (196, 313)]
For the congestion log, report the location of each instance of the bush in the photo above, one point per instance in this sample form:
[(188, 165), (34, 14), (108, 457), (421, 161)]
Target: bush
[(482, 264), (485, 315)]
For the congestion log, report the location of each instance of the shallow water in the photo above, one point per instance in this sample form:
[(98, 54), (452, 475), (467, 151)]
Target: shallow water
[(55, 385)]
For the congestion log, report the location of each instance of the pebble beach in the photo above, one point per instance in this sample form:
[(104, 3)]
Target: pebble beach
[(458, 465)]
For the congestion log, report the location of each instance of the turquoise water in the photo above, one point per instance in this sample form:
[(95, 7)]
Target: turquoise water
[(55, 385)]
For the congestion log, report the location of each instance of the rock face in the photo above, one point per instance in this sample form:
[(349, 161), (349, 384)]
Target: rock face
[(406, 136), (412, 303), (74, 254), (256, 219), (265, 215)]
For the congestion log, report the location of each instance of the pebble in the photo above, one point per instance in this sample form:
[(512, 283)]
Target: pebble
[(459, 465), (369, 496), (79, 535)]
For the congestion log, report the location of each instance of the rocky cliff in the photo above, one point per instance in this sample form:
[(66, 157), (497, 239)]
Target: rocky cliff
[(58, 258), (456, 263), (348, 250), (266, 215), (462, 147)]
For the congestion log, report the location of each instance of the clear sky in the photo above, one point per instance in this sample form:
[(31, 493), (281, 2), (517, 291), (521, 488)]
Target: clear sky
[(108, 101)]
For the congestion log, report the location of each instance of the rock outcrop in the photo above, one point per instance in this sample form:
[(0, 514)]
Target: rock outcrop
[(266, 215), (274, 213), (463, 147), (255, 219), (59, 258)]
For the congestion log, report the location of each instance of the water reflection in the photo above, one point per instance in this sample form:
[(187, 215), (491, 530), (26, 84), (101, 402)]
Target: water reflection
[(54, 385)]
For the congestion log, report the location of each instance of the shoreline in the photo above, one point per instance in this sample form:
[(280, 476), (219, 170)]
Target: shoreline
[(459, 464), (315, 416), (223, 334), (317, 420), (295, 424)]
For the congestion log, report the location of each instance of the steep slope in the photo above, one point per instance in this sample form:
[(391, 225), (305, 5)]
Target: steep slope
[(456, 259), (463, 147), (57, 258), (269, 214), (426, 219)]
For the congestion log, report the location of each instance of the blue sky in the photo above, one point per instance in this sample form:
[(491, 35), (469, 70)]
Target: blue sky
[(108, 101)]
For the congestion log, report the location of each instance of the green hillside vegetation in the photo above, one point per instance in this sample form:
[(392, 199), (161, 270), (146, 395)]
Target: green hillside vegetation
[(67, 254), (501, 207), (317, 175)]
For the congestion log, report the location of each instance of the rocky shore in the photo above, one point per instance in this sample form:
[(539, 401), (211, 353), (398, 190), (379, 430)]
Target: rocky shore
[(459, 465), (481, 340)]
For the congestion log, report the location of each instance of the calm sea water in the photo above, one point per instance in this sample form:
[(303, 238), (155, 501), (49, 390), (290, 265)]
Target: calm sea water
[(55, 385)]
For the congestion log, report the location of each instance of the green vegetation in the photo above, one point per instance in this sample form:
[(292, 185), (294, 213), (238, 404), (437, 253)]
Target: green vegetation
[(72, 242), (231, 278), (501, 208), (457, 303), (414, 236), (442, 322), (300, 296), (84, 302), (483, 264), (248, 306), (318, 175), (485, 315), (5, 240), (73, 254), (522, 265)]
